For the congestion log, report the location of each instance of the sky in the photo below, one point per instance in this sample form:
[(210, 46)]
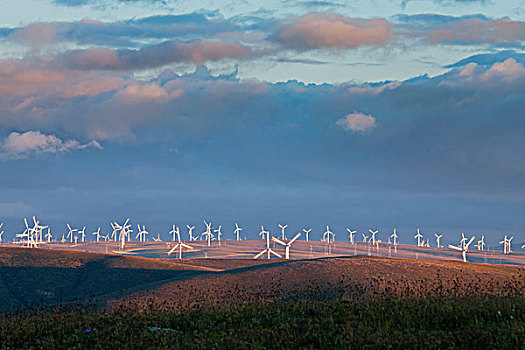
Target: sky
[(360, 114)]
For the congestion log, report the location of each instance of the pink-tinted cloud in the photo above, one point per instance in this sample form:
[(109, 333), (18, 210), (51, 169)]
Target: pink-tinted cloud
[(509, 70), (357, 122), (147, 92), (18, 145), (197, 52), (329, 30), (476, 31)]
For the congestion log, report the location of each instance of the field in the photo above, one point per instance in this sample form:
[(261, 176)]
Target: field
[(68, 299)]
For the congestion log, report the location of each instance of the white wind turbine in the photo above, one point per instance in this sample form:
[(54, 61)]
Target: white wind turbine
[(268, 249), (509, 250), (219, 234), (418, 236), (179, 245), (263, 232), (175, 232), (365, 237), (351, 235), (48, 235), (282, 231), (328, 236), (504, 242), (190, 232), (157, 239), (237, 231), (287, 245), (97, 234), (71, 233), (208, 233), (82, 234), (438, 237), (141, 233), (1, 233), (463, 240), (307, 232), (481, 243), (394, 236), (373, 238), (37, 230), (463, 249), (114, 234)]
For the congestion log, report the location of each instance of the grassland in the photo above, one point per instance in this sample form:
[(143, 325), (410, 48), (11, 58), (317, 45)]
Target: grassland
[(88, 301), (434, 323)]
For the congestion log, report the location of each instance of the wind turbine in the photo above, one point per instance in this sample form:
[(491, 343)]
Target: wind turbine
[(481, 243), (179, 245), (438, 237), (263, 232), (174, 232), (509, 250), (82, 234), (307, 232), (351, 235), (287, 245), (463, 249), (97, 234), (208, 233), (268, 249), (157, 239), (418, 236), (504, 242), (365, 237), (237, 231), (1, 233), (463, 240), (328, 236), (190, 231), (71, 233), (394, 236), (282, 231), (219, 234), (141, 233), (48, 235), (373, 238)]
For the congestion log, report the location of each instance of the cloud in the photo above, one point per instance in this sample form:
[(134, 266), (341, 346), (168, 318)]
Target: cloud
[(466, 30), (32, 143), (152, 56), (357, 122), (330, 30), (509, 70)]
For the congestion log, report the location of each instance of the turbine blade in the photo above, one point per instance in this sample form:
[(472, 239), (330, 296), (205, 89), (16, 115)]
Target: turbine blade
[(278, 241), (260, 254), (293, 239)]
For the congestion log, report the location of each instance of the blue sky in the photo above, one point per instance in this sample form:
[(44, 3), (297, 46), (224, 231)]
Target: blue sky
[(369, 114)]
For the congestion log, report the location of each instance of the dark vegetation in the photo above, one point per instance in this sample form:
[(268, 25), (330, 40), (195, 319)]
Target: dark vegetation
[(431, 323)]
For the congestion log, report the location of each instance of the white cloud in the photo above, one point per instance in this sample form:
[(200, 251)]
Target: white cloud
[(18, 145), (357, 122)]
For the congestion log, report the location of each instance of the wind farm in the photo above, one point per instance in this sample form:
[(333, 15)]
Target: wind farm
[(284, 174)]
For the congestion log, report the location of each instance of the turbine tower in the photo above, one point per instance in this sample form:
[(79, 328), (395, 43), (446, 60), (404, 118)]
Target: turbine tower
[(287, 245), (351, 235), (394, 236), (307, 232), (418, 236), (208, 233), (263, 232), (141, 233), (481, 243), (219, 234), (237, 231), (71, 233), (190, 232), (97, 234), (373, 238), (179, 246), (328, 236), (463, 249), (268, 250), (282, 231), (48, 235), (174, 232), (438, 237)]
